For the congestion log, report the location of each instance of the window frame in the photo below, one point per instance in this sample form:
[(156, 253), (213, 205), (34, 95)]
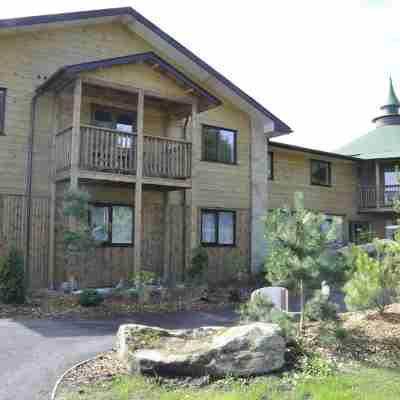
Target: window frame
[(114, 111), (271, 172), (216, 212), (3, 90), (109, 207), (352, 239), (220, 128), (329, 164)]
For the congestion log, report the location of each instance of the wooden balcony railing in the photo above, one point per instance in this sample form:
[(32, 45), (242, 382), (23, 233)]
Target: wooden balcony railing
[(381, 197), (63, 149), (113, 151)]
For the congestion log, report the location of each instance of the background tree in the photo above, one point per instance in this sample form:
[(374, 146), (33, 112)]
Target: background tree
[(298, 246)]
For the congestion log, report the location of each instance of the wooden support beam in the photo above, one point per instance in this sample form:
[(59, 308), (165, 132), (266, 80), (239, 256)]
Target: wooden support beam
[(76, 126), (138, 187), (52, 229), (378, 184)]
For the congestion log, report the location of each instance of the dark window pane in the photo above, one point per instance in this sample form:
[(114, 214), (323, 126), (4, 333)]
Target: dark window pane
[(226, 147), (103, 119), (126, 123), (2, 109), (208, 227), (226, 228), (99, 223), (122, 225), (320, 173), (210, 144)]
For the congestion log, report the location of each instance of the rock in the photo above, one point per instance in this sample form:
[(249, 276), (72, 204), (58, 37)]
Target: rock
[(244, 350), (277, 295)]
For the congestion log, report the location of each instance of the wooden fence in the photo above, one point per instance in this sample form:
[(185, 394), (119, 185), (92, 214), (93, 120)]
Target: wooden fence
[(13, 230)]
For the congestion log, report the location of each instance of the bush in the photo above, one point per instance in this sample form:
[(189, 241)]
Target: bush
[(90, 298), (12, 285), (375, 282), (262, 310), (197, 273), (319, 308), (235, 265)]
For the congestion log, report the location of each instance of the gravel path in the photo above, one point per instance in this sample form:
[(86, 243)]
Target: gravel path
[(34, 353)]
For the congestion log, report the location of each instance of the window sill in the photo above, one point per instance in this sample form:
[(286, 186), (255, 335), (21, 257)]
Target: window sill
[(320, 184), (220, 162), (217, 245)]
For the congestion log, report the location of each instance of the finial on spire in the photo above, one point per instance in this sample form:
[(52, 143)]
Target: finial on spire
[(392, 104)]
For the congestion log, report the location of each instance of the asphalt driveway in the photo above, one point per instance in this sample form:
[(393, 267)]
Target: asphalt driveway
[(34, 353)]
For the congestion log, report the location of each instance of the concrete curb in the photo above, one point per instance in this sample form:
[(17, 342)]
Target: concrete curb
[(60, 379)]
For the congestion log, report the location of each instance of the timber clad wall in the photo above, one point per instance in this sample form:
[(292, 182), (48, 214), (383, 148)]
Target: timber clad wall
[(28, 59), (292, 174)]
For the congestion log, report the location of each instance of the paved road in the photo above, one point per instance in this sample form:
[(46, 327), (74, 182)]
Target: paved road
[(34, 353)]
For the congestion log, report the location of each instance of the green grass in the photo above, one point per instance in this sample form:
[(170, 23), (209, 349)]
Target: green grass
[(365, 384)]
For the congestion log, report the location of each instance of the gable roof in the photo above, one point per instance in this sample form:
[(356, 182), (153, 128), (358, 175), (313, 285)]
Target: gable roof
[(279, 125), (66, 72)]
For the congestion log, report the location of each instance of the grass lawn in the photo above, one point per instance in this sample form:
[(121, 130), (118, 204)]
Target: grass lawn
[(365, 384)]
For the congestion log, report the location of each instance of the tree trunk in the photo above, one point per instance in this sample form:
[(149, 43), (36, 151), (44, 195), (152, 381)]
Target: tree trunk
[(301, 324)]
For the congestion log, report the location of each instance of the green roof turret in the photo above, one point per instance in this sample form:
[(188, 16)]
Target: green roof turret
[(392, 104)]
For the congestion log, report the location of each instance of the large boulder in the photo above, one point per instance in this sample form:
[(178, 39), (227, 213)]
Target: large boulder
[(244, 350)]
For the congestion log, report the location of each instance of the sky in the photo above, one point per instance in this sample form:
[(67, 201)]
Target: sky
[(321, 66)]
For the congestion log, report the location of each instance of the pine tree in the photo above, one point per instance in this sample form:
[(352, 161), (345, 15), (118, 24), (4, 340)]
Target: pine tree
[(297, 248)]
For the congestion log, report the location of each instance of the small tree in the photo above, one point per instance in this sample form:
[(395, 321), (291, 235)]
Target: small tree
[(375, 281), (12, 285), (197, 273), (79, 244), (297, 248)]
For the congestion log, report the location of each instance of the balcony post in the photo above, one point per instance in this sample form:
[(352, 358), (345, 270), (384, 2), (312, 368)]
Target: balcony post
[(138, 186), (76, 124), (378, 184)]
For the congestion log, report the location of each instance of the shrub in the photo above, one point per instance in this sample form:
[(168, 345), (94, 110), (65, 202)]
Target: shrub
[(197, 272), (340, 333), (313, 365), (90, 298), (146, 278), (12, 285), (262, 309), (319, 308), (375, 282), (235, 265)]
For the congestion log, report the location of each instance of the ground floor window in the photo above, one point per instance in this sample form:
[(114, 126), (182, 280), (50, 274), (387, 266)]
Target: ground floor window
[(337, 221), (360, 231), (391, 227), (218, 227), (111, 224)]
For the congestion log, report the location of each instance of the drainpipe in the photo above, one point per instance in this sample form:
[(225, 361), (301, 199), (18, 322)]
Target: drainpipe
[(28, 188)]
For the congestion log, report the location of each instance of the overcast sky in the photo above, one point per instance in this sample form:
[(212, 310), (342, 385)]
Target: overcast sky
[(321, 66)]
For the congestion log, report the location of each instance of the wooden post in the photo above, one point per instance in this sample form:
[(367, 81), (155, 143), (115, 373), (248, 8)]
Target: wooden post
[(53, 171), (166, 234), (195, 139), (378, 184), (138, 186), (76, 127)]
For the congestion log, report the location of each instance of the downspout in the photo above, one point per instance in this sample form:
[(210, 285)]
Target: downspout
[(28, 189)]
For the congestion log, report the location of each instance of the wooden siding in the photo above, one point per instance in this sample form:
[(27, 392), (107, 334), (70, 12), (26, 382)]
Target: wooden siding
[(13, 232), (292, 174)]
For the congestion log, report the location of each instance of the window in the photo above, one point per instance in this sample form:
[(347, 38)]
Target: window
[(337, 222), (120, 120), (270, 166), (360, 231), (111, 224), (218, 228), (3, 93), (219, 145), (320, 173)]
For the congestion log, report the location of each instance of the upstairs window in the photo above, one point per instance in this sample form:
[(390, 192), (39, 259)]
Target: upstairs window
[(321, 173), (219, 145), (218, 228), (3, 94), (270, 166), (111, 225)]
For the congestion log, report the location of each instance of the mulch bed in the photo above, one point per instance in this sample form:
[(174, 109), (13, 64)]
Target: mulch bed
[(371, 339), (56, 305)]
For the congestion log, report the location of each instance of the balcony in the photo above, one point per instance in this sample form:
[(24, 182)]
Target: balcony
[(114, 152), (373, 198)]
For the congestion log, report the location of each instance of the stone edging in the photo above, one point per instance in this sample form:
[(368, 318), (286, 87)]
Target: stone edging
[(60, 379)]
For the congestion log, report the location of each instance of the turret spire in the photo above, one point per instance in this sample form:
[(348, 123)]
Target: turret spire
[(392, 104)]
